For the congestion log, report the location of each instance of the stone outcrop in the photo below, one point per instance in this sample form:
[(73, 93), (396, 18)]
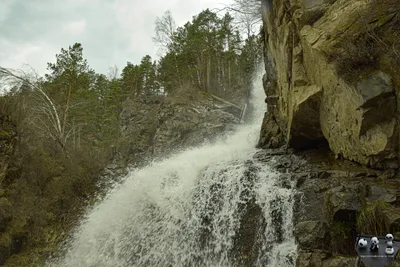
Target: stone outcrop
[(332, 77), (154, 127)]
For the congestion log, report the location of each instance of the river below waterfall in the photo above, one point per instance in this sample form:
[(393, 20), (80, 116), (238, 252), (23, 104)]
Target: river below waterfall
[(214, 205)]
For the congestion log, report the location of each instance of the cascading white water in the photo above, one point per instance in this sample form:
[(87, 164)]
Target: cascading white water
[(189, 209)]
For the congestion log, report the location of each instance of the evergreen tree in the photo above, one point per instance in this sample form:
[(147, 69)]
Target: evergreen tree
[(209, 54)]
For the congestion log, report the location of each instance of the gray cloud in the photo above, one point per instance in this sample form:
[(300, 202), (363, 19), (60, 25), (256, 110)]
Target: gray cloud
[(112, 32)]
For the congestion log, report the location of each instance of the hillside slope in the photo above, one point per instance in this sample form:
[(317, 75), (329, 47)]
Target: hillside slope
[(42, 196)]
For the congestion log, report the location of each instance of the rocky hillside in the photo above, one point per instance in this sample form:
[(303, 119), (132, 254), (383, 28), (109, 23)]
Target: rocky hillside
[(332, 81), (151, 127), (157, 126)]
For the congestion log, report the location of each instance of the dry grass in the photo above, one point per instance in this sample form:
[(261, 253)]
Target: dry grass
[(370, 221)]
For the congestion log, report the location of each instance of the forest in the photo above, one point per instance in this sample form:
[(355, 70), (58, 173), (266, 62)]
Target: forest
[(61, 130)]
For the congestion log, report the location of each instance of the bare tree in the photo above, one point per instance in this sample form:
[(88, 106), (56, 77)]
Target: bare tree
[(113, 72), (165, 28), (45, 114), (247, 14)]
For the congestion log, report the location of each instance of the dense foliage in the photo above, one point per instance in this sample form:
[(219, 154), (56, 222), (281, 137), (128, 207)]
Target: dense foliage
[(66, 125), (207, 54)]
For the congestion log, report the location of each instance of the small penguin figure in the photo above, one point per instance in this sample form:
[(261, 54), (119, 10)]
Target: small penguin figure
[(389, 244), (374, 244)]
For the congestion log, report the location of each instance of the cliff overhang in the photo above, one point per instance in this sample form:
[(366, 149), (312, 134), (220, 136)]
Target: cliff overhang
[(332, 77)]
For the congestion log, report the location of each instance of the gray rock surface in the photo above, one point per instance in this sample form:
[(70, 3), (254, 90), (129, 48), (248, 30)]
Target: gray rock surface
[(332, 194), (312, 235), (154, 127)]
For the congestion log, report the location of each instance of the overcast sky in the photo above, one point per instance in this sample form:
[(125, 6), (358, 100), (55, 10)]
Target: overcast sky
[(112, 32)]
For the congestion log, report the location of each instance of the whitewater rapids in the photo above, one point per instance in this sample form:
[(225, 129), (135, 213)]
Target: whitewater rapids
[(187, 210)]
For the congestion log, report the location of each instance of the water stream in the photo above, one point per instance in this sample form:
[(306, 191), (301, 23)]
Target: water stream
[(214, 205)]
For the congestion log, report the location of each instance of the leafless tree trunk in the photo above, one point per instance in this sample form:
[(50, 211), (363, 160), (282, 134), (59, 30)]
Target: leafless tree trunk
[(113, 73), (247, 15), (165, 29), (46, 116)]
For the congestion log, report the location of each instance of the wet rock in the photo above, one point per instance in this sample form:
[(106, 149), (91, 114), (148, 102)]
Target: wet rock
[(312, 203), (285, 181), (271, 134), (265, 155), (312, 259), (271, 100), (247, 240), (312, 235)]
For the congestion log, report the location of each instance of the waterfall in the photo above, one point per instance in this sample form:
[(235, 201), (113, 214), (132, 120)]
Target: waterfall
[(214, 205)]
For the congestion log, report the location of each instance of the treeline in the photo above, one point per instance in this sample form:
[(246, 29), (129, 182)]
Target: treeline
[(67, 122), (208, 54)]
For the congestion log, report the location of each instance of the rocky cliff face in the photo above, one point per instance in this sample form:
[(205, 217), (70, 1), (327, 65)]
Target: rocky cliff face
[(333, 76), (332, 84), (154, 126), (335, 201)]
